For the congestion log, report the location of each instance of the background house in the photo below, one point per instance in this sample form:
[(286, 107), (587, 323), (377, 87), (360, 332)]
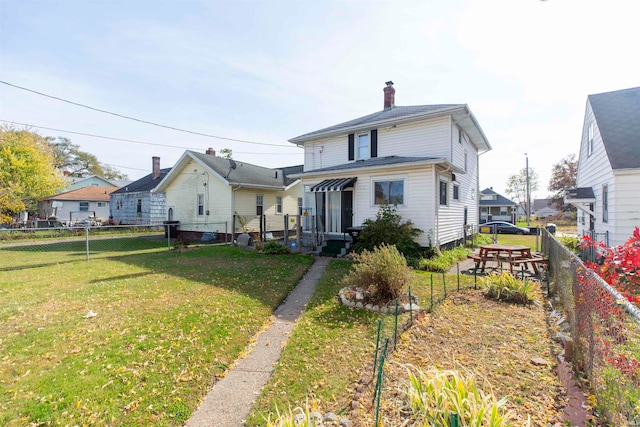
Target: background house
[(543, 208), (77, 205), (204, 192), (137, 202), (607, 195), (496, 207), (75, 182), (424, 159)]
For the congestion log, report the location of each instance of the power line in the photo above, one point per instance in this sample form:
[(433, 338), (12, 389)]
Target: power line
[(138, 120), (134, 141)]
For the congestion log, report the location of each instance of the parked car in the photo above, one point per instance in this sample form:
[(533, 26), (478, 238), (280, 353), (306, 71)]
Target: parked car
[(502, 227)]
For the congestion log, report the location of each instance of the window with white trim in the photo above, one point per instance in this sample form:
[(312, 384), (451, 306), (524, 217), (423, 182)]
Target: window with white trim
[(590, 139), (388, 192), (84, 207), (101, 204), (363, 146), (119, 204), (201, 204), (279, 204), (443, 193), (259, 204), (605, 203), (456, 192)]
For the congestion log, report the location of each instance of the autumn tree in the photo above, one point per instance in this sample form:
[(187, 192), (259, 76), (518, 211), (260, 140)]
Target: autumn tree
[(563, 176), (69, 157), (226, 153), (27, 171), (517, 185)]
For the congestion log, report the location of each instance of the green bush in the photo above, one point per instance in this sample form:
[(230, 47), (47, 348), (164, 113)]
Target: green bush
[(389, 229), (570, 242), (481, 239), (382, 273), (506, 287), (274, 248), (445, 260)]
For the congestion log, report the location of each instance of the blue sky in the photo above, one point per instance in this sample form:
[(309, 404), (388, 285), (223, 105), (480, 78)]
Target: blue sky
[(269, 71)]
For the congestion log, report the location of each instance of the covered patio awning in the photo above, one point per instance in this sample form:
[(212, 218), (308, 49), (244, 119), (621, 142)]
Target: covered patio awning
[(337, 184), (580, 196)]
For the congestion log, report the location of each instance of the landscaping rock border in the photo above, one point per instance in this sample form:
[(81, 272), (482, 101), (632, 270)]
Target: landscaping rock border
[(389, 308)]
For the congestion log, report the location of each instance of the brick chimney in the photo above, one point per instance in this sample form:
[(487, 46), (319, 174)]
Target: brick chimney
[(389, 96), (155, 167), (210, 151)]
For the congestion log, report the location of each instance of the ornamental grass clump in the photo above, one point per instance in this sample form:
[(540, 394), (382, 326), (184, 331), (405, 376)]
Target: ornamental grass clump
[(435, 395), (298, 417), (445, 260), (382, 273), (507, 287)]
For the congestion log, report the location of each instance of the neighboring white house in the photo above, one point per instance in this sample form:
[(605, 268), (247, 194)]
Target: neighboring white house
[(204, 192), (424, 159), (496, 207), (543, 208), (608, 181), (77, 205), (137, 203)]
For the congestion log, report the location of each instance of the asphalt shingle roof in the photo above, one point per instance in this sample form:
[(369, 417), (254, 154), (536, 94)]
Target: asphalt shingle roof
[(500, 200), (618, 117), (143, 184), (90, 193), (387, 114), (237, 172)]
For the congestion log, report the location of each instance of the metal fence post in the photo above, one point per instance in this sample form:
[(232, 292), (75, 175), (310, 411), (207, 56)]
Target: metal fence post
[(233, 229), (226, 231), (86, 229), (286, 230), (298, 232)]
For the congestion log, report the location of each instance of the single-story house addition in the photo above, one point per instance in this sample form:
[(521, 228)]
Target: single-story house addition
[(204, 192), (423, 159), (137, 203), (496, 207), (608, 179), (76, 205)]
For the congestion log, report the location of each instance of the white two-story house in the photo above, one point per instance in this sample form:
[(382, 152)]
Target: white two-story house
[(608, 181), (423, 159)]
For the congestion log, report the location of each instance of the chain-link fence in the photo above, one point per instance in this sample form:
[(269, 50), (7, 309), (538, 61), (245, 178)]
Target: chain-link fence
[(264, 228), (605, 333)]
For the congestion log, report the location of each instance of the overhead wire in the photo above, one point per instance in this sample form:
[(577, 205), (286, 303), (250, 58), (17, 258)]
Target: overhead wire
[(132, 140), (138, 120)]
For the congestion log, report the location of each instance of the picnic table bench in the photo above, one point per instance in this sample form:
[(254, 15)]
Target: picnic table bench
[(514, 255)]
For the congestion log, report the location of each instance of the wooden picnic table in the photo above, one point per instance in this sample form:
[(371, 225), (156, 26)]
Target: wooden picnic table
[(511, 254)]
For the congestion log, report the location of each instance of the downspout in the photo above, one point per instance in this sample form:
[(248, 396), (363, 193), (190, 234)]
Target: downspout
[(233, 205), (450, 141)]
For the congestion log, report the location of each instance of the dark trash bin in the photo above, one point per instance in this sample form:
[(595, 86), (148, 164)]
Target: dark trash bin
[(354, 232), (551, 228), (534, 231), (171, 228)]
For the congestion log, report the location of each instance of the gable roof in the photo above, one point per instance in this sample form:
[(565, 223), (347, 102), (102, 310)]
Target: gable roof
[(234, 172), (544, 203), (618, 117), (405, 114), (376, 162), (93, 193), (500, 200), (146, 183)]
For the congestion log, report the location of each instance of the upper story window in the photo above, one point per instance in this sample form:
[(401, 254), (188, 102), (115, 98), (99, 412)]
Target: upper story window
[(259, 204), (363, 145), (590, 139), (456, 192), (388, 192), (200, 204), (84, 207), (605, 203), (279, 204), (466, 158)]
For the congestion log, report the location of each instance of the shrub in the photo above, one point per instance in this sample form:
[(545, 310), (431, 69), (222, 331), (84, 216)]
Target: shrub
[(382, 273), (482, 239), (274, 248), (506, 287), (570, 242), (445, 260), (435, 395), (389, 229)]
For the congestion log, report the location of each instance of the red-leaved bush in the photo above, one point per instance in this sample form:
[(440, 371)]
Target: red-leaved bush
[(619, 266)]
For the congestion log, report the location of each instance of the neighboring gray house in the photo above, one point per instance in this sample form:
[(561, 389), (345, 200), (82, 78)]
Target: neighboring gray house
[(607, 194), (496, 207), (423, 158), (543, 208), (138, 203)]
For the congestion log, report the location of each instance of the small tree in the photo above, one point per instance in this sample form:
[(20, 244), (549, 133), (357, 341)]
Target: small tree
[(563, 176), (389, 229)]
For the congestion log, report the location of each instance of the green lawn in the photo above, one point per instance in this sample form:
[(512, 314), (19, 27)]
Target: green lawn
[(167, 324), (331, 345)]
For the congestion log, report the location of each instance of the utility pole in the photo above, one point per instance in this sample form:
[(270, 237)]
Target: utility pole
[(528, 191)]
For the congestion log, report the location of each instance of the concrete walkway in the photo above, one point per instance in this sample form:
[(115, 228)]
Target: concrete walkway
[(232, 398)]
